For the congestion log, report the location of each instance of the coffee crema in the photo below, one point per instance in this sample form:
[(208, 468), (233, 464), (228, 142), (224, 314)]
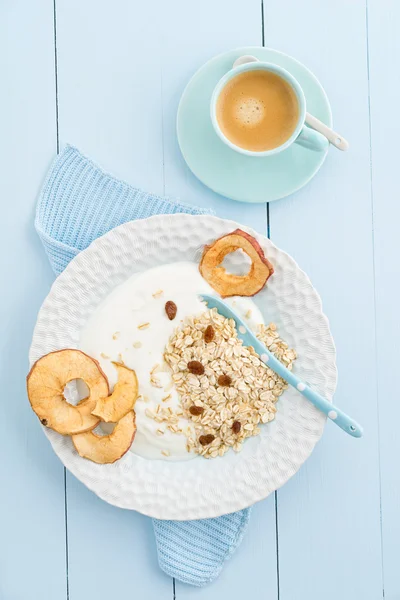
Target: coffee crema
[(257, 110)]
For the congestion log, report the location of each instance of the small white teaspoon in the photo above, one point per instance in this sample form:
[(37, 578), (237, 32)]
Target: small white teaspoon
[(334, 138)]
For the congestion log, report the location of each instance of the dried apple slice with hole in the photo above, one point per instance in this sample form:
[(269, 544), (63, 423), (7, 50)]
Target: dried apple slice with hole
[(106, 449), (46, 383), (112, 408), (227, 284)]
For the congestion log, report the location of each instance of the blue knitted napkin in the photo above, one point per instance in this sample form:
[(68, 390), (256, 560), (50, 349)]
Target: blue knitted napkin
[(78, 203)]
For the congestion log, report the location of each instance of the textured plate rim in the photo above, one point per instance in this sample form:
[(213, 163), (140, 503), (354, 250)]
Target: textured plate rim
[(68, 458)]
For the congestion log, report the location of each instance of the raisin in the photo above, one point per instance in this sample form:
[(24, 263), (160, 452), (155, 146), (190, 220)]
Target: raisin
[(206, 439), (196, 410), (171, 309), (236, 426), (224, 380), (195, 367), (209, 334)]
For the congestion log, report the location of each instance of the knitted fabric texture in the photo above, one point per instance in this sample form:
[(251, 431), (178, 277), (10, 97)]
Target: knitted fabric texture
[(78, 203)]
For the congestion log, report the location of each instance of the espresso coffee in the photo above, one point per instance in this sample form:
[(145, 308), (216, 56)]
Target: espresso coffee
[(257, 110)]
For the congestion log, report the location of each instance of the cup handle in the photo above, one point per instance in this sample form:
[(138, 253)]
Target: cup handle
[(311, 139)]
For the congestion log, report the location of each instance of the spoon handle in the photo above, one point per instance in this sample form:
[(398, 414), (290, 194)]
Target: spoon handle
[(332, 412), (249, 339), (334, 138)]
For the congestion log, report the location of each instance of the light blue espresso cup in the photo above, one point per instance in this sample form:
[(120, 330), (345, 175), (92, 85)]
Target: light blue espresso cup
[(303, 135)]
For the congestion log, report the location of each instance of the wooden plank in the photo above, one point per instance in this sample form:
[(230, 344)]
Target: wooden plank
[(109, 86), (190, 38), (111, 551), (32, 550), (384, 57), (120, 78), (329, 514), (109, 94)]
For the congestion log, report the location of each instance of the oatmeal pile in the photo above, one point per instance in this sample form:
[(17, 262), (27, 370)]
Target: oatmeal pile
[(226, 391)]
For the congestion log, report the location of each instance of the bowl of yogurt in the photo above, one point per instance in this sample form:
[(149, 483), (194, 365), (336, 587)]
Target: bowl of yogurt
[(130, 326)]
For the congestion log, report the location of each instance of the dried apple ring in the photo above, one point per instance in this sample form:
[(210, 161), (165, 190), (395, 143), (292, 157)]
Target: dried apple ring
[(106, 449), (227, 284), (112, 408), (46, 383)]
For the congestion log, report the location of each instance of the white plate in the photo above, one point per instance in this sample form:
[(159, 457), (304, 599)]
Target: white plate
[(197, 488)]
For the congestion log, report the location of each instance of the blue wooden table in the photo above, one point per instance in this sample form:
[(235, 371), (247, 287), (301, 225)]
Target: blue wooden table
[(107, 77)]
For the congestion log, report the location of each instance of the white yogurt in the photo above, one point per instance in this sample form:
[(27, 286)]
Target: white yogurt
[(112, 333)]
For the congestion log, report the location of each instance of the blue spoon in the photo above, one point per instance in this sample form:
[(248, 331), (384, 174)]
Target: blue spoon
[(249, 339)]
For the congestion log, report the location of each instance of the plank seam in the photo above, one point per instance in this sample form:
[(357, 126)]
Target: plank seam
[(162, 129), (262, 24), (374, 292), (66, 532), (269, 236), (58, 149), (277, 545), (56, 70)]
